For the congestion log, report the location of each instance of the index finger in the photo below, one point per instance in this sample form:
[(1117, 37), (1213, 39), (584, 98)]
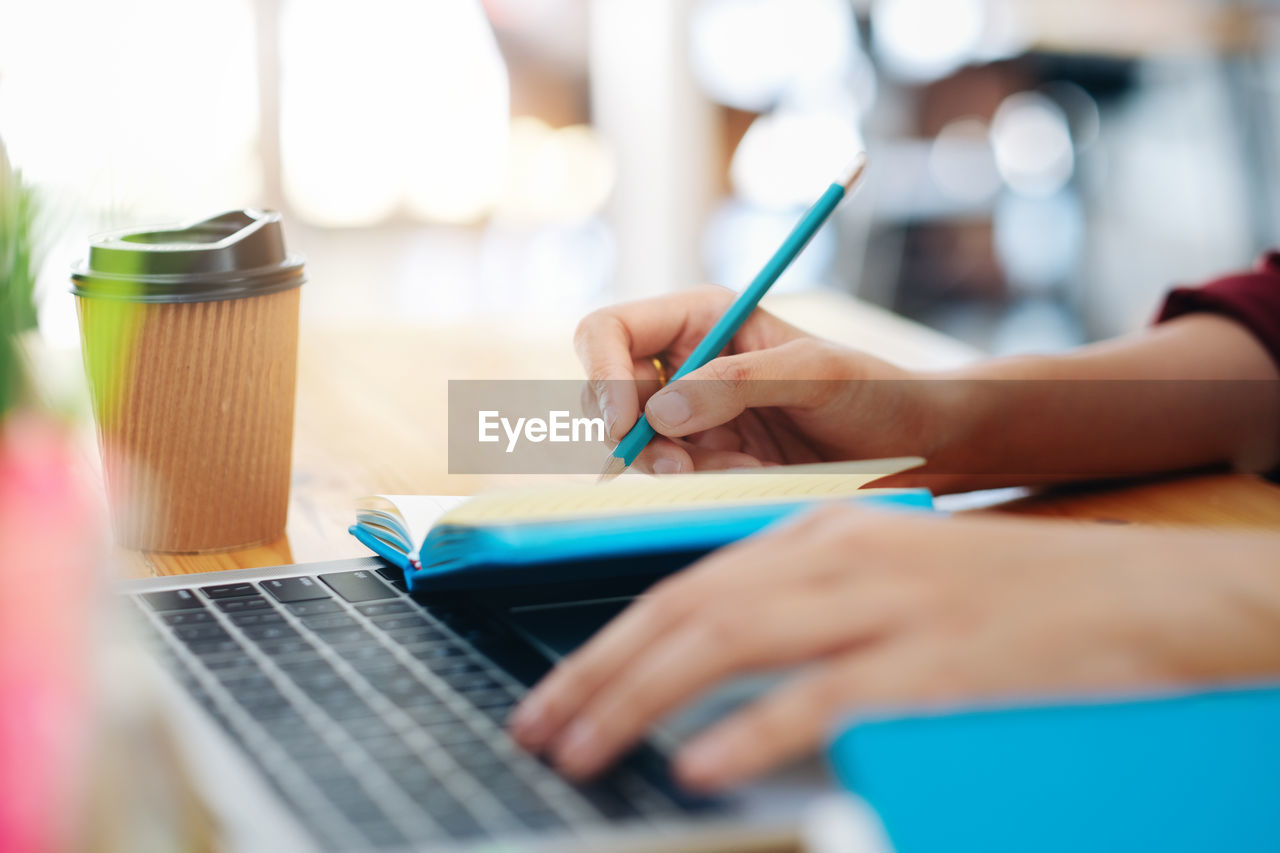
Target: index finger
[(609, 341)]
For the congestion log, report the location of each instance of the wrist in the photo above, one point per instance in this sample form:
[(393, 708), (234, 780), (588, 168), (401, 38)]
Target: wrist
[(975, 414)]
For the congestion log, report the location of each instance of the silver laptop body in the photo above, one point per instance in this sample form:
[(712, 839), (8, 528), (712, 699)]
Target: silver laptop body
[(321, 707)]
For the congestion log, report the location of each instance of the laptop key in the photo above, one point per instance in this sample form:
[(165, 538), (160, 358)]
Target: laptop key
[(392, 621), (459, 824), (383, 748), (450, 733), (172, 599), (304, 668), (240, 605), (490, 699), (353, 635), (429, 713), (312, 608), (270, 631), (465, 682), (282, 648), (543, 818), (328, 620), (187, 617), (228, 590), (450, 666), (256, 617), (383, 607), (357, 586), (223, 661), (289, 590), (347, 711), (214, 648), (416, 635), (197, 633), (434, 649), (382, 834), (358, 653)]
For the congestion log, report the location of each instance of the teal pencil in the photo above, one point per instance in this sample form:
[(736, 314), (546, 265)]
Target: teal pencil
[(727, 326)]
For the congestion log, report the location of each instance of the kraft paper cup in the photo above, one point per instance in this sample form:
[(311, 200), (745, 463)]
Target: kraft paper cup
[(190, 342)]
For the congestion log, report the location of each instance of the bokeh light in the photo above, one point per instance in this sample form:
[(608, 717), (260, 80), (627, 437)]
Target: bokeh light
[(552, 175), (1032, 144), (1038, 238), (97, 104), (962, 163), (786, 159), (926, 39), (416, 118), (749, 53)]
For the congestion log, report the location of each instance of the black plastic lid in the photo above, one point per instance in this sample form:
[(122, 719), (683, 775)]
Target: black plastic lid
[(235, 254)]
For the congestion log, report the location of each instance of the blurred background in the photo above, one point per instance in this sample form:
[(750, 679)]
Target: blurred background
[(1042, 170)]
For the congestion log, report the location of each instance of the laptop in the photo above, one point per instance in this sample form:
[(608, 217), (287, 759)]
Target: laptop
[(323, 707)]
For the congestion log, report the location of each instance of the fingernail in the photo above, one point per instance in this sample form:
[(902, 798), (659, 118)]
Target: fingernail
[(666, 466), (527, 721), (607, 412), (578, 750), (671, 408)]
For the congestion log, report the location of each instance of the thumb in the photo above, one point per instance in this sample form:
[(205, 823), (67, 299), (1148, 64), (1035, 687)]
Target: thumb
[(722, 389)]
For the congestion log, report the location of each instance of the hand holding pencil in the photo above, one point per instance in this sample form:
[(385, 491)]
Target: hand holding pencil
[(681, 335), (738, 312)]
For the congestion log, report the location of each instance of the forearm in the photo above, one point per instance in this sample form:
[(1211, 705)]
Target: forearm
[(1194, 392)]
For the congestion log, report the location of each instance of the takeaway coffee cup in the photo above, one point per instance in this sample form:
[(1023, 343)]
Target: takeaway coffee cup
[(190, 341)]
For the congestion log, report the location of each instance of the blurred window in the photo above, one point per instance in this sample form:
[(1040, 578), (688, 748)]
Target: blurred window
[(391, 106), (136, 108)]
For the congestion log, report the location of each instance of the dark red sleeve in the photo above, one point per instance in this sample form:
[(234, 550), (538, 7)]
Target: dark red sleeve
[(1250, 298)]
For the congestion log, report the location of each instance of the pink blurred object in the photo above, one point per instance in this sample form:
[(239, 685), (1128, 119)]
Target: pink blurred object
[(50, 558)]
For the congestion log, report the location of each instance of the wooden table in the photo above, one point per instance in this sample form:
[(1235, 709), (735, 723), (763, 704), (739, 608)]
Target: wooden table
[(371, 418)]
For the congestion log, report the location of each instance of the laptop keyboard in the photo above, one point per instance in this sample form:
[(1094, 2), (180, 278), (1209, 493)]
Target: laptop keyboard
[(377, 717)]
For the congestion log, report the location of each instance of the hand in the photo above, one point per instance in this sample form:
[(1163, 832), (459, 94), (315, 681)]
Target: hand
[(895, 611), (779, 396)]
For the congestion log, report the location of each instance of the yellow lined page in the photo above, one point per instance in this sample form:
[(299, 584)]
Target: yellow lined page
[(627, 495)]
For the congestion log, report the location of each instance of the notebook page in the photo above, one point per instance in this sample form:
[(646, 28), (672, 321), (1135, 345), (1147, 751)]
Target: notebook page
[(627, 495), (411, 516)]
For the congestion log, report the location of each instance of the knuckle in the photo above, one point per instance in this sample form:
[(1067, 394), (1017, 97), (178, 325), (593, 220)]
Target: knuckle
[(731, 374), (811, 348), (597, 378), (589, 324), (720, 627), (715, 293), (602, 326)]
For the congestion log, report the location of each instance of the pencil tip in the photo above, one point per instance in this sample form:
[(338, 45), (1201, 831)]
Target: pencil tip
[(615, 466), (854, 171)]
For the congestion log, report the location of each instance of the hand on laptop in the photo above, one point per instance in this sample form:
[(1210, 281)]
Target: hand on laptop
[(893, 611), (779, 397)]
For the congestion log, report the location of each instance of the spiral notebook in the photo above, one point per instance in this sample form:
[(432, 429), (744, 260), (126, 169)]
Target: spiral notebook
[(575, 531)]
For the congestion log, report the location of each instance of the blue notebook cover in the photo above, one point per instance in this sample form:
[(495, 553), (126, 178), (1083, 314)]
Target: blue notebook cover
[(458, 557), (1194, 772)]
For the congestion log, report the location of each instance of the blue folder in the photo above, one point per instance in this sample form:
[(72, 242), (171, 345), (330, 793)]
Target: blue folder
[(1193, 772)]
